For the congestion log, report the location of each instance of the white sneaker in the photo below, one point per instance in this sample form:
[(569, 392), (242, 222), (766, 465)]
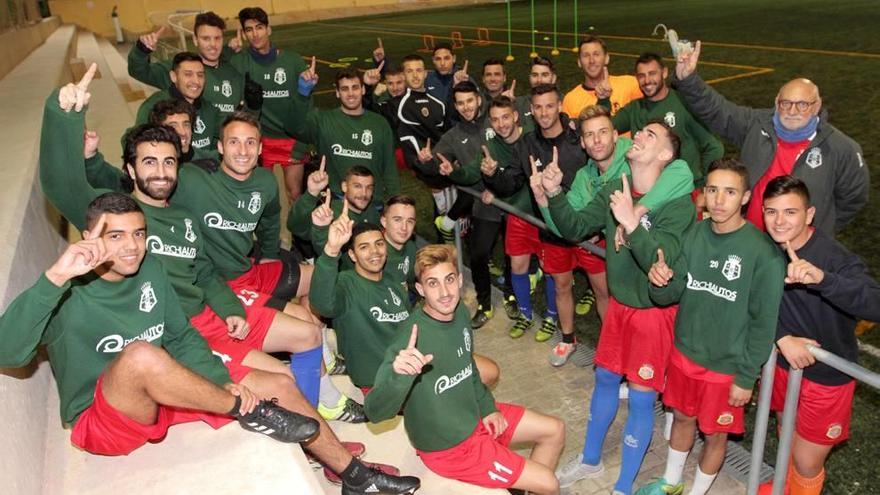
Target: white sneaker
[(576, 470)]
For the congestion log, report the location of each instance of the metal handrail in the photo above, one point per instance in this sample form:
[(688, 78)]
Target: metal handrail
[(789, 412), (589, 246)]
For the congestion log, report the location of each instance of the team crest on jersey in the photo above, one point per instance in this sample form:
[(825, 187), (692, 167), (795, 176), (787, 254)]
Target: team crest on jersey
[(200, 125), (404, 265), (669, 118), (148, 298), (490, 133), (645, 221), (834, 431), (467, 339), (646, 372), (724, 419), (226, 88), (190, 235), (732, 268), (394, 298), (425, 112), (814, 157), (255, 203), (367, 137), (280, 76)]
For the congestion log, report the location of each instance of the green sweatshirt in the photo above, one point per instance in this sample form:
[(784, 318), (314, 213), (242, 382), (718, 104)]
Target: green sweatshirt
[(676, 180), (205, 130), (224, 86), (735, 280), (400, 264), (365, 315), (699, 147), (347, 140), (503, 153), (442, 405), (284, 110), (318, 235), (230, 212), (627, 268), (174, 235), (85, 324)]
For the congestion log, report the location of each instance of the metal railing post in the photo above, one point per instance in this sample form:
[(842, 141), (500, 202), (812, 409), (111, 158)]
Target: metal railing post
[(762, 418), (449, 192), (789, 413)]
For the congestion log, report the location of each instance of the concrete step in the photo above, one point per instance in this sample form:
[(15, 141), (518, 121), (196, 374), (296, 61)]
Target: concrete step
[(132, 90)]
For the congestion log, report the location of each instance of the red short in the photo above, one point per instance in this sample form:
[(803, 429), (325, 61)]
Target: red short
[(701, 393), (261, 277), (635, 342), (399, 159), (490, 463), (276, 151), (365, 390), (824, 411), (694, 195), (230, 350), (561, 259), (103, 430), (521, 238)]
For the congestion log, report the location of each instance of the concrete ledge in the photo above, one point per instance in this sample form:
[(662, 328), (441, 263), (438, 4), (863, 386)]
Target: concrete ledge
[(17, 44)]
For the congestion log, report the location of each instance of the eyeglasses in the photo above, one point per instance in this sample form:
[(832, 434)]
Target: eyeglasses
[(801, 106)]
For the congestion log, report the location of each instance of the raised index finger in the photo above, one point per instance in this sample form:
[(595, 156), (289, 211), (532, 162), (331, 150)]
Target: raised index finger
[(344, 212), (312, 68), (87, 78), (381, 64), (98, 229), (625, 184), (413, 337), (464, 67), (791, 254), (486, 152), (534, 165), (323, 163), (161, 30), (379, 40), (660, 257), (512, 86)]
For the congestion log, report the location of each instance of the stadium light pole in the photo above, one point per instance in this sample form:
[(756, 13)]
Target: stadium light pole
[(575, 31), (509, 35), (555, 50), (534, 52)]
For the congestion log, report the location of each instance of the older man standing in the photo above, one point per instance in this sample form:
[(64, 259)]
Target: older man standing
[(790, 139)]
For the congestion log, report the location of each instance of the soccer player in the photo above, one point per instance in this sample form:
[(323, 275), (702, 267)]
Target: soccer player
[(450, 416), (607, 161), (636, 335), (699, 147), (593, 59), (224, 86), (446, 73), (287, 84), (127, 363), (399, 223), (730, 273), (188, 82), (828, 288), (350, 135), (793, 138), (179, 242), (494, 79)]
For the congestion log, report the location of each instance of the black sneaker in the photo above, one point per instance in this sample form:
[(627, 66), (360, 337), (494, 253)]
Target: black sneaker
[(278, 423), (511, 308), (481, 317), (383, 484)]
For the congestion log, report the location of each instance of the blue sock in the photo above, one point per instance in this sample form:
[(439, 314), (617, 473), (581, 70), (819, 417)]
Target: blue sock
[(603, 409), (636, 437), (522, 291), (550, 294), (306, 368)]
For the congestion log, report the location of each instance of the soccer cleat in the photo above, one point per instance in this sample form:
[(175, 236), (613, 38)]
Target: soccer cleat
[(576, 470), (520, 326), (347, 410), (385, 468), (510, 307), (481, 317), (660, 487), (446, 235), (356, 449), (534, 278), (495, 270), (559, 355), (381, 482), (585, 303), (278, 423), (546, 330)]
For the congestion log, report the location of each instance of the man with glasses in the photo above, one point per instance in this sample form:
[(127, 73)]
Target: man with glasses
[(794, 138)]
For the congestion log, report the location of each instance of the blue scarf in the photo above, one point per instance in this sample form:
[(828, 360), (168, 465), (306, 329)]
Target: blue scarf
[(797, 135), (267, 58)]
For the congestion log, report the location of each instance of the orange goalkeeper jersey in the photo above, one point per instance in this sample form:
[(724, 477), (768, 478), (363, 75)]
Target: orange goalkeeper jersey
[(624, 89)]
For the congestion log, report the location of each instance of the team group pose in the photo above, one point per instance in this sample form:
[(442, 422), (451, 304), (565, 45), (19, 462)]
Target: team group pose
[(180, 304)]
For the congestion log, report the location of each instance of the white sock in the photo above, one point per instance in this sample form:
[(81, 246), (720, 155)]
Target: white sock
[(328, 395), (702, 482), (675, 460), (667, 428), (440, 201), (326, 349)]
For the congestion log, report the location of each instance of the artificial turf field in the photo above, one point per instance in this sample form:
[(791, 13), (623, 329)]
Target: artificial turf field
[(750, 48)]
